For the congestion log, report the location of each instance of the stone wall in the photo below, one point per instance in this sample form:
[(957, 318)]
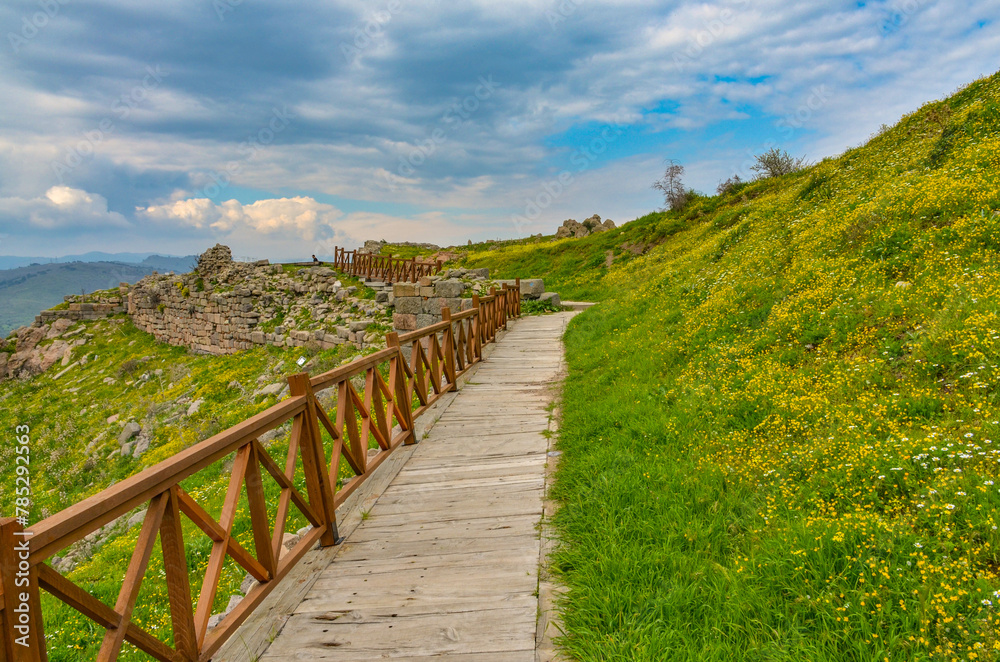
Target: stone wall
[(86, 307), (417, 305), (227, 306)]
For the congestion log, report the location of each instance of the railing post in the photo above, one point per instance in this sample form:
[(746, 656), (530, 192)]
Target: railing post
[(449, 350), (495, 323), (440, 263), (404, 396), (478, 307), (517, 304), (23, 635), (314, 461), (503, 308)]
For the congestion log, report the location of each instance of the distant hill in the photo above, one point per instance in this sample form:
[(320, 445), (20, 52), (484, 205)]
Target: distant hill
[(26, 290), (160, 262)]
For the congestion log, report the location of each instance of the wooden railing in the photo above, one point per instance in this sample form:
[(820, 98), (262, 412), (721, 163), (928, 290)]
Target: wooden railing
[(396, 390), (386, 268)]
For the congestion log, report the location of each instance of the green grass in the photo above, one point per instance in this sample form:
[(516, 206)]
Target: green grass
[(576, 268), (780, 427)]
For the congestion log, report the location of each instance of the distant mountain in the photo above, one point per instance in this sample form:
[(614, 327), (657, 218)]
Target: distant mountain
[(26, 291), (168, 263)]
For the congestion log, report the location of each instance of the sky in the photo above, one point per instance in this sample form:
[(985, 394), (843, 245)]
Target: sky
[(284, 129)]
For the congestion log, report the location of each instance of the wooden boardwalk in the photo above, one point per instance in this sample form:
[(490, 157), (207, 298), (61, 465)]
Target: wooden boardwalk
[(444, 566)]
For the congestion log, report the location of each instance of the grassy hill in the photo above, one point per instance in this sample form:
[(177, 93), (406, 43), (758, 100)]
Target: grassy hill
[(26, 290), (780, 425)]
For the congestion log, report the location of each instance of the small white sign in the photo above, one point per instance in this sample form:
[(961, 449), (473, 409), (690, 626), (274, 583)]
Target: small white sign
[(301, 361)]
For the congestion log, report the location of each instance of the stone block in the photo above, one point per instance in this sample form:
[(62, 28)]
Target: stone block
[(426, 281), (531, 288), (426, 291), (426, 320), (409, 305), (466, 304), (454, 304), (483, 273), (405, 289), (551, 297), (343, 332), (381, 297), (431, 307), (449, 289), (257, 337), (404, 321), (360, 325)]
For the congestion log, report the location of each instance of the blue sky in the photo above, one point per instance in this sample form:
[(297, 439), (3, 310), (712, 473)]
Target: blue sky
[(284, 129)]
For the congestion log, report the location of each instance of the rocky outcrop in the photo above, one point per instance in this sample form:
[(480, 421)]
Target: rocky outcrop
[(215, 261), (31, 350), (372, 247), (574, 229)]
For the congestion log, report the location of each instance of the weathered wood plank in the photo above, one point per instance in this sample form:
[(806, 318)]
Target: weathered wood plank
[(434, 550), (493, 631)]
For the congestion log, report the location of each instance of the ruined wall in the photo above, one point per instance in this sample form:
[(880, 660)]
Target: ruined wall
[(225, 306)]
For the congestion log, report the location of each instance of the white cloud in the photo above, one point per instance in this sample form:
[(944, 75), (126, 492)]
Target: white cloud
[(302, 217), (61, 208)]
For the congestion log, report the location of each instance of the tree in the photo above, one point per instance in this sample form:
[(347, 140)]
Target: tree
[(728, 185), (776, 162), (675, 195)]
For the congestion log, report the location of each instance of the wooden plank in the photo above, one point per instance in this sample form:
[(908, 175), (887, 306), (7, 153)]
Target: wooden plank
[(492, 631), (434, 550), (458, 562), (420, 470), (480, 527), (408, 605)]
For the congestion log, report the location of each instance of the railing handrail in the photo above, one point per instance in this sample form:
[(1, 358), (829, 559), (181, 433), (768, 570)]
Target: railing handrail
[(413, 384), (384, 267)]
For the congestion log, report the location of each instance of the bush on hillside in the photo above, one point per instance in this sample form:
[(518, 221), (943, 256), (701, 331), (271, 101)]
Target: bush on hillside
[(775, 163)]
